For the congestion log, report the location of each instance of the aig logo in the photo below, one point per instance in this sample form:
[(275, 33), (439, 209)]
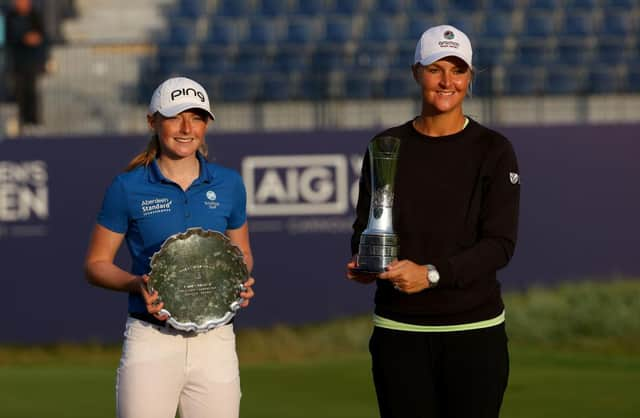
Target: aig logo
[(296, 184)]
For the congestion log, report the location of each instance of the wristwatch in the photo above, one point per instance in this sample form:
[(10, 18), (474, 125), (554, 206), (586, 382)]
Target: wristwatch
[(433, 277)]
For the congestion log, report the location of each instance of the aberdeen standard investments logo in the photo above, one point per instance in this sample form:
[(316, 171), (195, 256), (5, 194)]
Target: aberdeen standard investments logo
[(282, 185)]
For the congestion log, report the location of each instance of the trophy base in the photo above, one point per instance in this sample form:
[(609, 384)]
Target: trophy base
[(362, 270), (372, 264), (376, 252)]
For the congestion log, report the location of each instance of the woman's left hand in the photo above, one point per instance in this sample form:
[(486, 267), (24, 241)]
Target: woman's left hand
[(151, 300), (406, 276), (248, 293)]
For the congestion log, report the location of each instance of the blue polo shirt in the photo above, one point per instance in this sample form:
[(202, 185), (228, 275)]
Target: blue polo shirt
[(148, 208)]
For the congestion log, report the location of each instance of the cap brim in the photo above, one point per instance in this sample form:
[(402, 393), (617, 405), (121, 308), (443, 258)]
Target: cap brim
[(443, 54), (172, 111)]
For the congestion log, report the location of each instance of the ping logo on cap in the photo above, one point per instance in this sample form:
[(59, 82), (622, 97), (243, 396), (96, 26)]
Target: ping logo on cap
[(187, 92)]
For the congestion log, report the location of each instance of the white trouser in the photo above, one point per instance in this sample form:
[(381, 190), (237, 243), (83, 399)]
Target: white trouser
[(161, 369)]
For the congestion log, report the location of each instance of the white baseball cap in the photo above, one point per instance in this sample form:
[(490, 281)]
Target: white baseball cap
[(443, 41), (178, 94)]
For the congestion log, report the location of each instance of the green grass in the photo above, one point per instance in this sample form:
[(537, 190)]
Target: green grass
[(543, 383), (57, 391), (337, 388), (575, 352), (591, 315), (552, 384)]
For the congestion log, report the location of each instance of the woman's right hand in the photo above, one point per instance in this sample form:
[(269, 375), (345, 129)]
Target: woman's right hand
[(154, 306), (364, 278)]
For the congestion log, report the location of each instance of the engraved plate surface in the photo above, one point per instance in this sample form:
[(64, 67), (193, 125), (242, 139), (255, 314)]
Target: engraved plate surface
[(199, 276)]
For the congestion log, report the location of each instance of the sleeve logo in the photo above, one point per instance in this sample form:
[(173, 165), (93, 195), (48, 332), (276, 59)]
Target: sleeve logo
[(514, 178)]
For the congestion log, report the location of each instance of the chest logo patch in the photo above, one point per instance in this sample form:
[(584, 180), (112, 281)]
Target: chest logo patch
[(514, 178), (211, 202), (155, 206)]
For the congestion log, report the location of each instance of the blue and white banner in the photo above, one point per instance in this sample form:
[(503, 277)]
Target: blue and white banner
[(579, 219)]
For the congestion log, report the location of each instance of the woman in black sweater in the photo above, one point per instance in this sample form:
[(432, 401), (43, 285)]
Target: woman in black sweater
[(439, 347)]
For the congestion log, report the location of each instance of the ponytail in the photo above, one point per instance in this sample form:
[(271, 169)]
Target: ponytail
[(147, 156)]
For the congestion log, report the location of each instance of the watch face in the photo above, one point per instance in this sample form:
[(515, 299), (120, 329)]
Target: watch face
[(433, 275)]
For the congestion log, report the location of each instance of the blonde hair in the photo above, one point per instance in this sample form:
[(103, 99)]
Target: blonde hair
[(152, 152)]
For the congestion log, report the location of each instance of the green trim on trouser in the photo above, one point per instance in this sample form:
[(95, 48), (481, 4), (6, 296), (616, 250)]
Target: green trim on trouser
[(381, 322)]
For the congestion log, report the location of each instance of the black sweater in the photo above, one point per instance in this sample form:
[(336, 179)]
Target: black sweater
[(456, 207)]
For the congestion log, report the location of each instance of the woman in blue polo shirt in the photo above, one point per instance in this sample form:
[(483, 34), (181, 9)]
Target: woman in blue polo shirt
[(167, 189)]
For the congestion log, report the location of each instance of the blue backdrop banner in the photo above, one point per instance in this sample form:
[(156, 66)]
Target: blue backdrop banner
[(579, 219)]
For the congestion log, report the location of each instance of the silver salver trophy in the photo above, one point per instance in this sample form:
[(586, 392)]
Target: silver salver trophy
[(378, 243), (199, 276)]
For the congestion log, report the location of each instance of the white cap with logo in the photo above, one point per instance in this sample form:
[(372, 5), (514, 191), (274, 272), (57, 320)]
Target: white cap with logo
[(178, 94), (443, 41)]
